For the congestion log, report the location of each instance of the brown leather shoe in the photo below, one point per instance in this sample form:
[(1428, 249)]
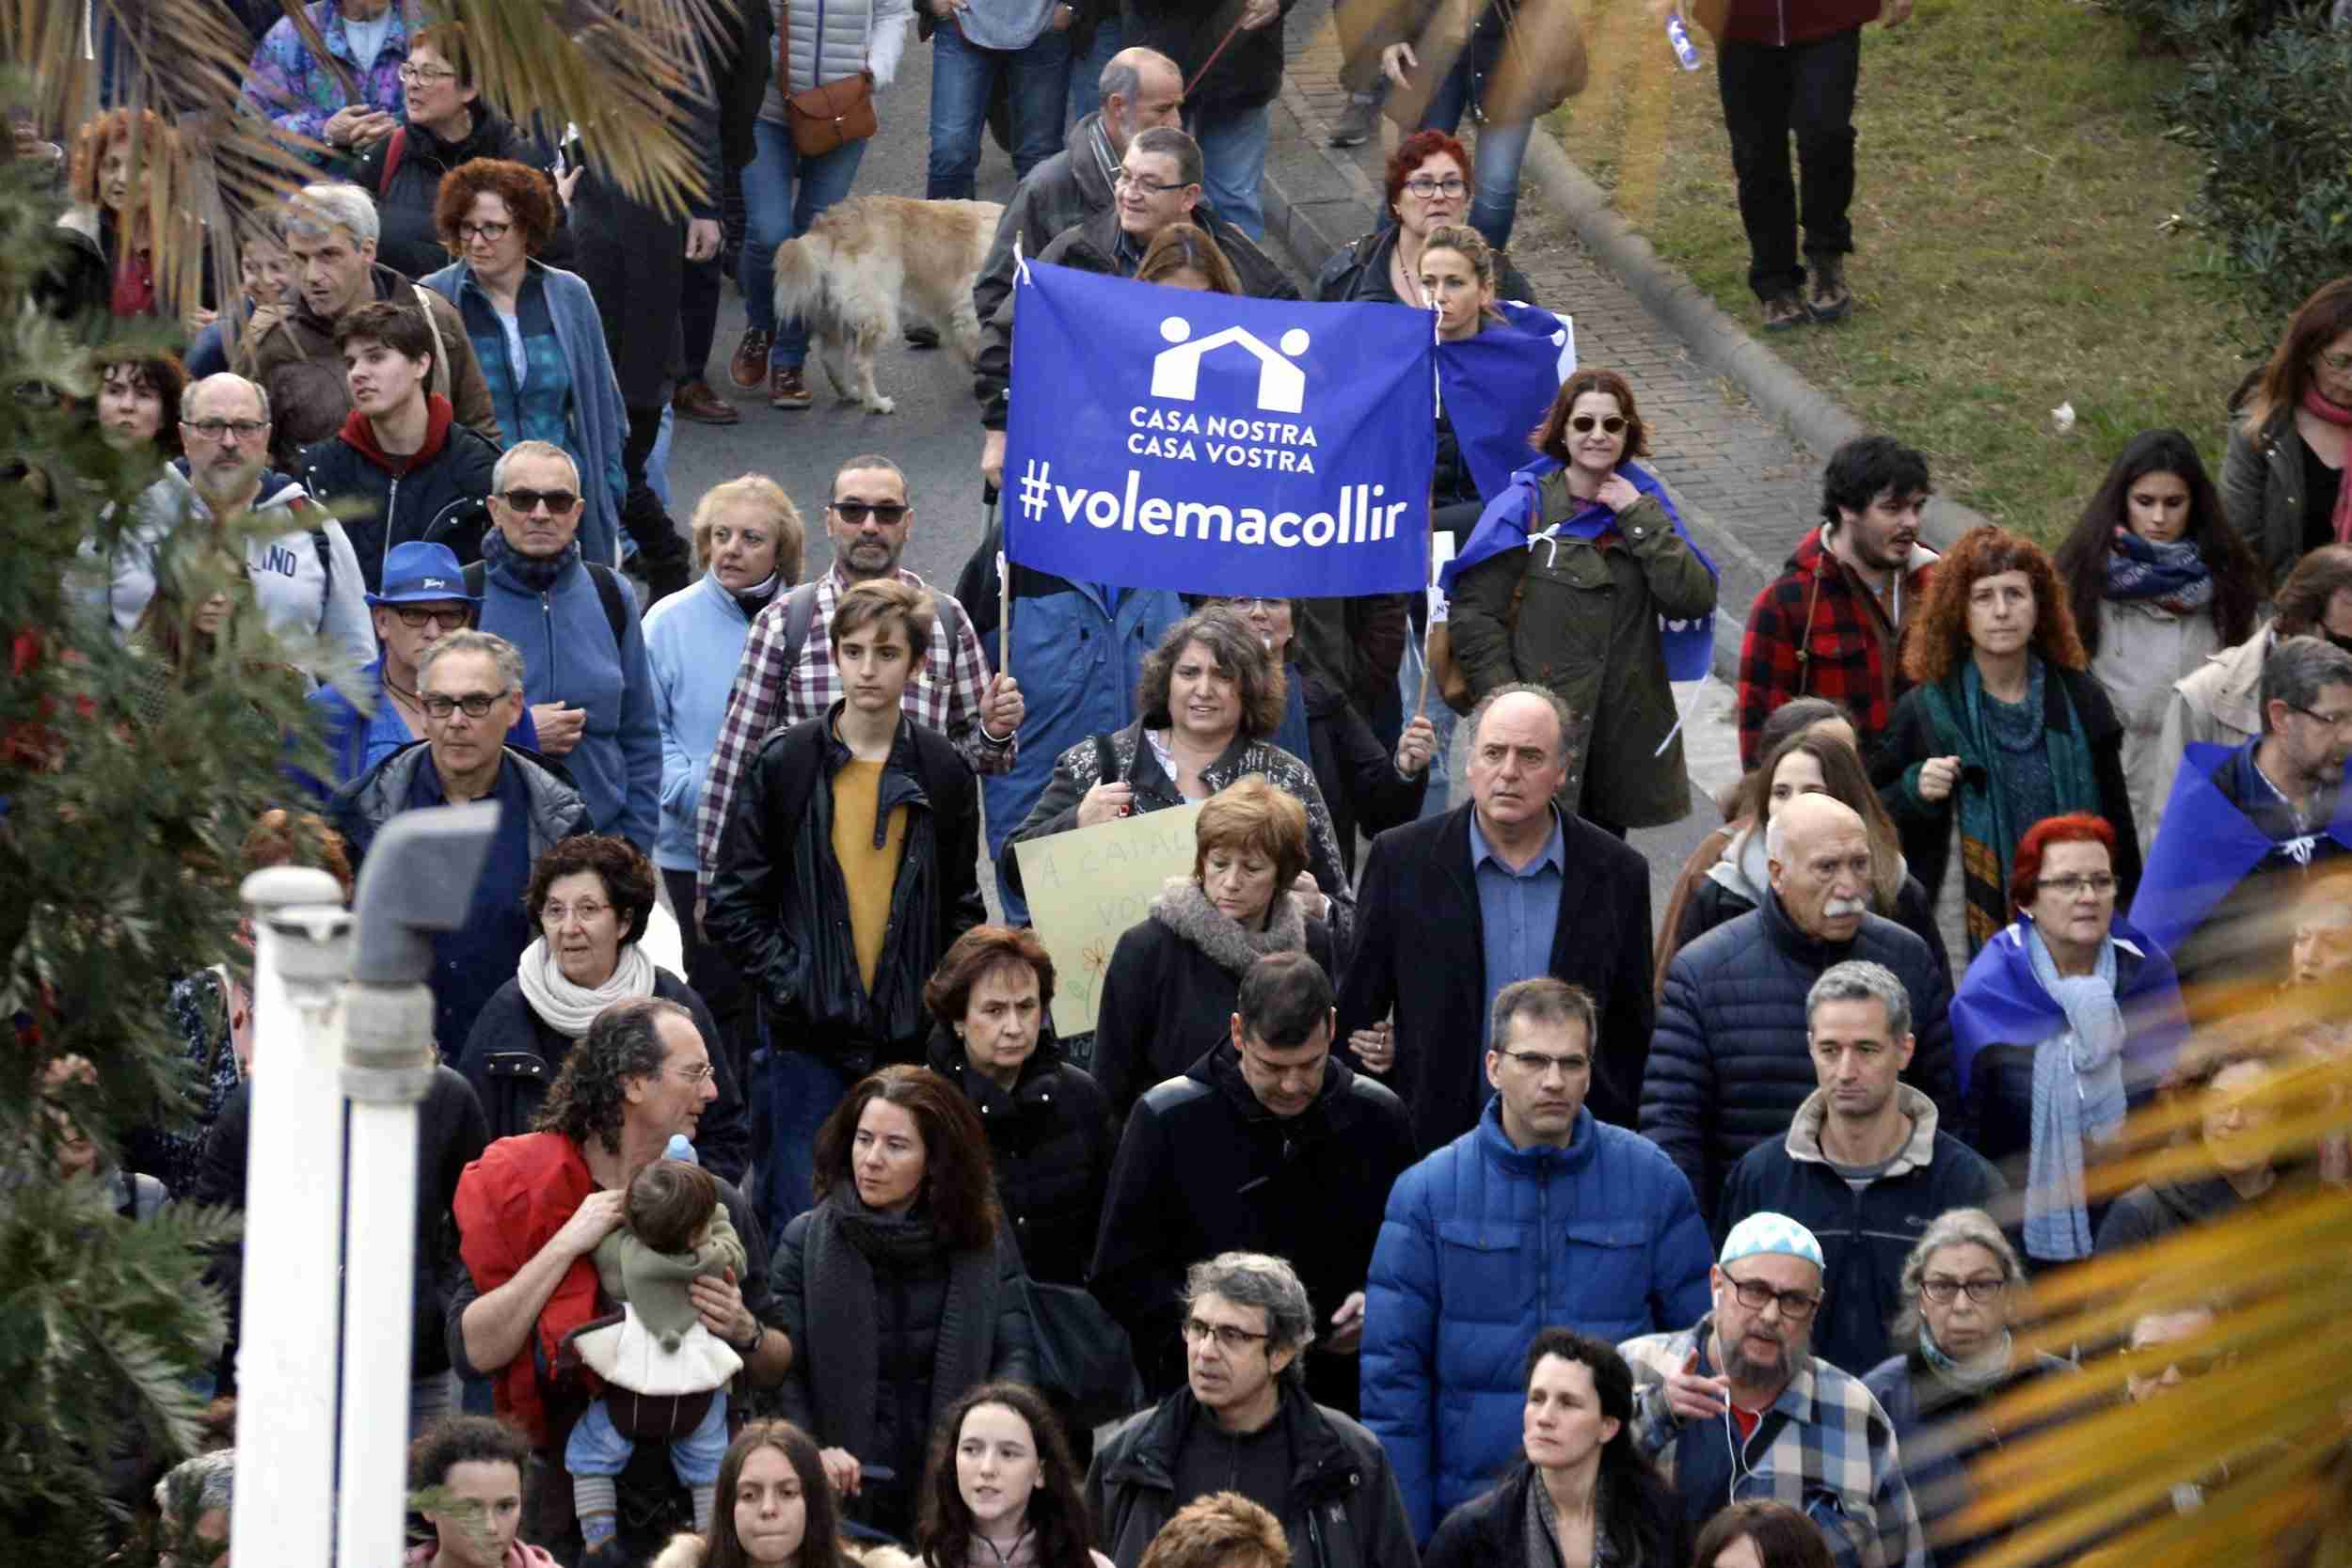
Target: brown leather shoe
[(696, 401), (786, 389), (749, 368)]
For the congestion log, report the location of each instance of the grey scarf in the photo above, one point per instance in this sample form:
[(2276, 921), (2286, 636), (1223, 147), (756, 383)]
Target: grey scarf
[(2078, 1093), (1186, 910)]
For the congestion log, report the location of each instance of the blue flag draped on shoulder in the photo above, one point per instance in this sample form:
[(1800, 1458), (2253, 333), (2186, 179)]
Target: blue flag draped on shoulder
[(1165, 439), (1497, 386), (1688, 645)]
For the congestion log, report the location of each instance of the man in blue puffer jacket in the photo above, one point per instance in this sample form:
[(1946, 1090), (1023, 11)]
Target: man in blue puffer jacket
[(1539, 1215)]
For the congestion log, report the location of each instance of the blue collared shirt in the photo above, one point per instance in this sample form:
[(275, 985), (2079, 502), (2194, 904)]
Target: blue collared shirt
[(1518, 911)]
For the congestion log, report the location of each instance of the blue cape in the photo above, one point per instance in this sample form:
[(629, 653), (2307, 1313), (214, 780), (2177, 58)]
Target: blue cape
[(2000, 1003), (1689, 645), (1496, 387), (2205, 848)]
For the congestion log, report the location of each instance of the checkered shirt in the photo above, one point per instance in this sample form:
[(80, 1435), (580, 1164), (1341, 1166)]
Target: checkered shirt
[(1825, 1449), (1815, 631), (946, 694)]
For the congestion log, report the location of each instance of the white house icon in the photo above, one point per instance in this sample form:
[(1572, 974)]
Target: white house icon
[(1176, 371)]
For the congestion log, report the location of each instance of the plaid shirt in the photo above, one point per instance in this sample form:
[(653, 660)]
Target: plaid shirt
[(1825, 1449), (1816, 631), (946, 695)]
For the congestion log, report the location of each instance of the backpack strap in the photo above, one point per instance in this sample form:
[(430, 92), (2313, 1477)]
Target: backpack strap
[(393, 149), (609, 590), (952, 619), (800, 610), (324, 549)]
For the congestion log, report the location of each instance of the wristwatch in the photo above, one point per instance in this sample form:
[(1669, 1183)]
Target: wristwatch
[(751, 1347)]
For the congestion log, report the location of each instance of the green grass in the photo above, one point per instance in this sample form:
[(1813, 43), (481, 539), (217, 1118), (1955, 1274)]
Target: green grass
[(2020, 240)]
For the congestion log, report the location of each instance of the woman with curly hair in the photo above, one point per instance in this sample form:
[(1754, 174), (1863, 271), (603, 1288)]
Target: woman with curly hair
[(536, 331), (2159, 582), (111, 224), (2003, 726), (589, 898), (1001, 1490), (1210, 702), (901, 1291)]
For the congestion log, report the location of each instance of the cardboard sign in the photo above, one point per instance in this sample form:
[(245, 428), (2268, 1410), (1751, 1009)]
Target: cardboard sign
[(1086, 886)]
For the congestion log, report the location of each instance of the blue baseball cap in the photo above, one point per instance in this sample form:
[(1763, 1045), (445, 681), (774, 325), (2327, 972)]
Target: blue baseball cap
[(420, 572)]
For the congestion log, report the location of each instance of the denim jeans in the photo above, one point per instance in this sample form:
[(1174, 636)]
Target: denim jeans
[(1769, 93), (1086, 70), (1501, 145), (963, 76), (596, 1448), (783, 194), (1232, 165), (793, 1092)]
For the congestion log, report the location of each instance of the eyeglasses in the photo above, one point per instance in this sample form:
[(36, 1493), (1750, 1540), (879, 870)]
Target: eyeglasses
[(1424, 186), (418, 619), (1795, 1306), (1248, 604), (1541, 1063), (412, 74), (1227, 1335), (493, 233), (221, 429), (2333, 720), (2100, 883), (558, 502), (476, 704), (2340, 363), (885, 512), (1942, 1288), (589, 911), (701, 1072), (1143, 184), (1582, 424)]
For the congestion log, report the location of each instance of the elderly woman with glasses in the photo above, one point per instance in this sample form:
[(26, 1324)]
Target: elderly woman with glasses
[(1961, 1287), (590, 899), (2065, 1011)]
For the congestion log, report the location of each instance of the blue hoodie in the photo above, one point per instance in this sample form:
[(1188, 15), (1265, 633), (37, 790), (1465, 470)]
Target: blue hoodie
[(693, 640), (568, 656)]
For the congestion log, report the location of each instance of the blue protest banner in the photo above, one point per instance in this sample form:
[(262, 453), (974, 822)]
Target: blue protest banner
[(1167, 438)]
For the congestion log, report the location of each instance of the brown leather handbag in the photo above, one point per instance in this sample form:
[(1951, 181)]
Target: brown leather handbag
[(830, 115)]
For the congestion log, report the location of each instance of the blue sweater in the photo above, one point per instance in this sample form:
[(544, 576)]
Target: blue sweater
[(1483, 1245), (694, 641), (568, 656)]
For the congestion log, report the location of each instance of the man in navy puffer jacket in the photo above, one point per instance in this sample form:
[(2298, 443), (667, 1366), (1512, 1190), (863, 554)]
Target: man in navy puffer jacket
[(1730, 1064), (1539, 1215)]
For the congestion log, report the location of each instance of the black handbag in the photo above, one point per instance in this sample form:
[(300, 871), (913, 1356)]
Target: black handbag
[(1083, 1354)]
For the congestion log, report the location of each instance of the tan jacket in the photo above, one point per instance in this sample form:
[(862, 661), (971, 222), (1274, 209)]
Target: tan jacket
[(456, 373), (2221, 702)]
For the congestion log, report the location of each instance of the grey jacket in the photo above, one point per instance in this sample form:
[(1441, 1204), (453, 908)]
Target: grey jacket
[(833, 39), (1060, 193), (2261, 491), (362, 807)]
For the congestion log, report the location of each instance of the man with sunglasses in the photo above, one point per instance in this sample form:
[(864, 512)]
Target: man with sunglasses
[(401, 467), (1577, 1223), (589, 683), (1737, 1406), (469, 688), (423, 601), (1864, 1164)]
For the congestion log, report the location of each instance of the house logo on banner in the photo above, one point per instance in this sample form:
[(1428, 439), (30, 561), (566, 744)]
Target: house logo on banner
[(1263, 455)]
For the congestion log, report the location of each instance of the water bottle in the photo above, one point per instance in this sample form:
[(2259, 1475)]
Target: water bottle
[(1679, 35), (678, 1148)]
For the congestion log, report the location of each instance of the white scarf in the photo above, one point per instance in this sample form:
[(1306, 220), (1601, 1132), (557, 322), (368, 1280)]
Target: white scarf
[(568, 1009)]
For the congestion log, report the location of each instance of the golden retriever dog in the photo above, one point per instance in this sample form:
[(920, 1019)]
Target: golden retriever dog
[(847, 275)]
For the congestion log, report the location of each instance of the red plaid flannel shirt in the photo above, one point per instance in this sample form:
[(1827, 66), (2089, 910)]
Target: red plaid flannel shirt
[(1816, 631), (947, 694)]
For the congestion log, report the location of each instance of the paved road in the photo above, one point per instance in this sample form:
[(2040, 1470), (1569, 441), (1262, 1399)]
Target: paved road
[(934, 436)]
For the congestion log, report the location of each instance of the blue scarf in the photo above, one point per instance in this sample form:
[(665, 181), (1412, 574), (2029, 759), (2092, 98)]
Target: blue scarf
[(2175, 574), (531, 573), (1689, 645), (2077, 1094)]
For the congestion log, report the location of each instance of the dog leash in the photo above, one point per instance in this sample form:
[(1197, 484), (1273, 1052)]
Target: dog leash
[(1200, 76)]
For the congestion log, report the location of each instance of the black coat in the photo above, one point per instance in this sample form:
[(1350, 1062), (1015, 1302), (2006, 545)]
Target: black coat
[(408, 241), (1245, 73), (1165, 1003), (1204, 1168), (777, 904), (1357, 774), (444, 498), (1344, 1510), (451, 1135), (1730, 1066), (1359, 273), (512, 1058), (1711, 904), (1049, 1141), (1420, 949), (1490, 1529)]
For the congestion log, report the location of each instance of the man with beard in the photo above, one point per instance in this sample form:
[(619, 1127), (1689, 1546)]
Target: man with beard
[(2244, 824), (1829, 625), (303, 571), (1737, 1406)]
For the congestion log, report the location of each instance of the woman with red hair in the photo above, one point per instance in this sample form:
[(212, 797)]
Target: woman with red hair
[(116, 160), (2066, 1012), (2003, 726)]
